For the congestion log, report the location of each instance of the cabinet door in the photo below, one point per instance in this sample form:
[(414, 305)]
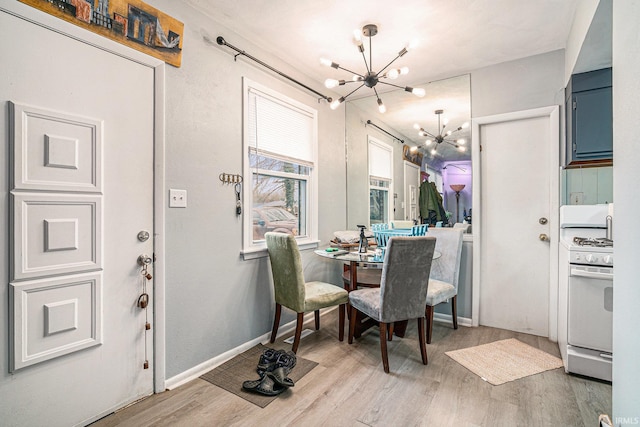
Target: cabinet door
[(592, 124)]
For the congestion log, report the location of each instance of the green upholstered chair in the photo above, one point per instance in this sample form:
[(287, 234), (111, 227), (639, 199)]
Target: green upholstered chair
[(402, 291), (443, 283), (293, 292)]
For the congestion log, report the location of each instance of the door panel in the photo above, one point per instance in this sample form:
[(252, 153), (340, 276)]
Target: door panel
[(411, 186), (79, 284), (515, 189)]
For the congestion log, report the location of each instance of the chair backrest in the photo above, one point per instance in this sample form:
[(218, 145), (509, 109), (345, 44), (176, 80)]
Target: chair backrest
[(397, 223), (405, 277), (286, 268), (419, 230), (449, 244), (381, 226), (465, 227), (383, 236)]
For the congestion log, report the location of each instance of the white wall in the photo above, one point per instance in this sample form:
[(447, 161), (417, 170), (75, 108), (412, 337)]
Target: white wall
[(215, 301), (535, 81), (626, 179), (585, 11)]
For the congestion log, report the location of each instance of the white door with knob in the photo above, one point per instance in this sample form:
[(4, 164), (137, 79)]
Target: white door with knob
[(516, 163), (81, 147)]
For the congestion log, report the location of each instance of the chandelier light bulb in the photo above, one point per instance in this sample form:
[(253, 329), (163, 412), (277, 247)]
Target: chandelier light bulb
[(404, 70), (336, 103), (331, 83), (416, 126), (326, 62), (448, 132), (414, 149), (428, 142), (433, 151), (461, 141), (419, 92), (465, 125), (393, 73), (357, 78), (445, 121), (421, 133), (461, 148), (381, 106)]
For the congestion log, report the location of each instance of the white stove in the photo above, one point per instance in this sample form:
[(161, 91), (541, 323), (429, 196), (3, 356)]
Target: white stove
[(586, 291)]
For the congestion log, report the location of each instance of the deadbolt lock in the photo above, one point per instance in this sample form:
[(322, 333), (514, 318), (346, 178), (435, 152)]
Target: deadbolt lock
[(543, 220)]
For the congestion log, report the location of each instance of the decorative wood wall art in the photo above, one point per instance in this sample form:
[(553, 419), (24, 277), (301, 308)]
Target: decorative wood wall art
[(130, 22), (410, 156)]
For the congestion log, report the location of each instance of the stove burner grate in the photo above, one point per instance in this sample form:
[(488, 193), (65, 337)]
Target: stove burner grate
[(593, 242)]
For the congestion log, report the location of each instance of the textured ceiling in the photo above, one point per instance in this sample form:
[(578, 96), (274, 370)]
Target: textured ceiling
[(453, 37)]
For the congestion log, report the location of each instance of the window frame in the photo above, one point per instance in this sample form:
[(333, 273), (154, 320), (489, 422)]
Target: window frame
[(389, 148), (251, 249)]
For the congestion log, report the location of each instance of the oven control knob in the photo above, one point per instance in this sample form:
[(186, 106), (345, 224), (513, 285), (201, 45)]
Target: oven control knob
[(608, 259), (591, 258)]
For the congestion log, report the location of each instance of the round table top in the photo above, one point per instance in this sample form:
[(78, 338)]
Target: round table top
[(369, 257)]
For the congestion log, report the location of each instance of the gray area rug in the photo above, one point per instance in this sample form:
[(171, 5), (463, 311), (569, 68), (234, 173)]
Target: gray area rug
[(232, 373)]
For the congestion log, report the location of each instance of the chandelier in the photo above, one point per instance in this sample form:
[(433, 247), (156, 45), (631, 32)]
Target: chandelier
[(371, 78), (442, 135)]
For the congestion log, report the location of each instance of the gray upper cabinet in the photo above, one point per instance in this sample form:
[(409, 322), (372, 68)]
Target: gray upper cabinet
[(589, 118)]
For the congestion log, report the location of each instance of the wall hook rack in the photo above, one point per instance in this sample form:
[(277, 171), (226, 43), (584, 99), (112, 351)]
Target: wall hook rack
[(230, 178)]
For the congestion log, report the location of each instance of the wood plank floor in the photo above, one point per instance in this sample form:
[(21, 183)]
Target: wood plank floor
[(349, 388)]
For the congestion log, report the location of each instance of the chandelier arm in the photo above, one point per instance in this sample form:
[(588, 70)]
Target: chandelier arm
[(429, 134), (387, 66), (349, 94), (364, 58), (451, 143), (390, 84), (349, 71)]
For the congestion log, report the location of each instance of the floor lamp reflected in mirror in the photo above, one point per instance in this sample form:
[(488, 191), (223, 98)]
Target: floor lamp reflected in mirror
[(457, 188)]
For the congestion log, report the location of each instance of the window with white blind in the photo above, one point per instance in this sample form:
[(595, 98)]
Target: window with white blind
[(380, 182), (280, 166)]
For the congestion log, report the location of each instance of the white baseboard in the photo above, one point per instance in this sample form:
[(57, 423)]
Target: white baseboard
[(446, 318), (204, 367)]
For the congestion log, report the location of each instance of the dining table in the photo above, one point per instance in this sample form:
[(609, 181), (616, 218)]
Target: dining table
[(373, 259)]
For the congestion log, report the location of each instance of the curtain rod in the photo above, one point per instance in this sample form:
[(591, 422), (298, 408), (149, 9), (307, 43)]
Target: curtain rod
[(221, 41), (369, 122)]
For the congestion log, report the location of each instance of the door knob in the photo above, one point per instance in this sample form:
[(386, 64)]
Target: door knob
[(144, 259), (544, 237), (543, 220)]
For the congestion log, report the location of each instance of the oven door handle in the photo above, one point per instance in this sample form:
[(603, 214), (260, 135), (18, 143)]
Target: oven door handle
[(576, 272)]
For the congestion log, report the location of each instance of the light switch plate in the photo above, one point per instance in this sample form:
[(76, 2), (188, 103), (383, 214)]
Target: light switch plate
[(177, 198)]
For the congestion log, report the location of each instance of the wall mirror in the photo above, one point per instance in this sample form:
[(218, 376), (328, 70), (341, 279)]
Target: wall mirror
[(366, 127)]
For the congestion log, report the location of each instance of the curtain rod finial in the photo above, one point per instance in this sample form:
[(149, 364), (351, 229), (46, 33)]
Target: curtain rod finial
[(221, 40)]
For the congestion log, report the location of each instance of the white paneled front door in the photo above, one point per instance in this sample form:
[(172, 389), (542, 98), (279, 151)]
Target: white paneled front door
[(411, 190), (515, 235), (81, 124)]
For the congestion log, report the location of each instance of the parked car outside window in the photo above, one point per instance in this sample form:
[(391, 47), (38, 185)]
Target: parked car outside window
[(273, 218)]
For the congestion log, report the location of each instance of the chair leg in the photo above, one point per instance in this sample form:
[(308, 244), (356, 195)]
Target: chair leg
[(390, 331), (421, 336), (341, 310), (317, 317), (276, 323), (352, 323), (429, 316), (454, 311), (383, 346), (296, 339)]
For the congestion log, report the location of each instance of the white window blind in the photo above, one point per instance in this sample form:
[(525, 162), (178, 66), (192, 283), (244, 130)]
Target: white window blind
[(379, 161), (280, 129)]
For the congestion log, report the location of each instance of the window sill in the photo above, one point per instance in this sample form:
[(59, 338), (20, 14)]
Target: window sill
[(261, 252)]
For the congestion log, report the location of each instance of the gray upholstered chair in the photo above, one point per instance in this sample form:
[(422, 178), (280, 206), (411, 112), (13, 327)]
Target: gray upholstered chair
[(293, 292), (443, 282), (402, 291)]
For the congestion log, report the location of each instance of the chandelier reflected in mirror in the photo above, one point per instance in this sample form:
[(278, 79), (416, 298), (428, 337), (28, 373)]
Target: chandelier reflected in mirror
[(371, 78), (442, 136)]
